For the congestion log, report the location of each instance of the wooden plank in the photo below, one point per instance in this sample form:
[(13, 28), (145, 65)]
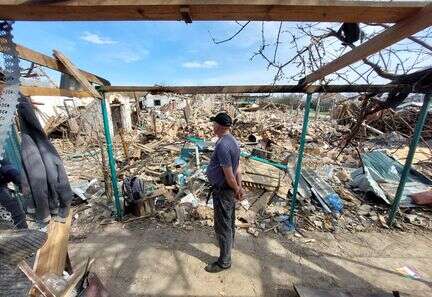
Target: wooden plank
[(49, 62), (43, 91), (77, 74), (40, 91), (403, 29), (255, 89), (260, 174), (36, 280), (74, 279), (52, 256), (199, 10)]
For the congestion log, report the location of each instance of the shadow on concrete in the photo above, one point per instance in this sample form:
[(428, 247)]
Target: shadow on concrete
[(321, 270)]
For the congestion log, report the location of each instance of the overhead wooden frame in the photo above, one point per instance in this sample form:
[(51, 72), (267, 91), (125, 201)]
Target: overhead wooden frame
[(399, 31), (77, 74), (200, 10), (30, 55), (248, 89), (55, 92), (191, 90)]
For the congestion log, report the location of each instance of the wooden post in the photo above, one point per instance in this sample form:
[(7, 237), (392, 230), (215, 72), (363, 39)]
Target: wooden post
[(153, 115), (317, 107)]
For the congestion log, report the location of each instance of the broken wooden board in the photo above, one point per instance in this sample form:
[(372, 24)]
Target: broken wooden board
[(312, 292), (259, 175), (255, 172), (76, 74), (75, 278), (52, 256), (261, 203), (39, 284)]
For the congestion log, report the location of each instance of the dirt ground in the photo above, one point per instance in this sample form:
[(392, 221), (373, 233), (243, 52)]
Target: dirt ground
[(150, 259)]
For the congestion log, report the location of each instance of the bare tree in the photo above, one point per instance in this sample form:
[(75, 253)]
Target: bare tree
[(299, 49)]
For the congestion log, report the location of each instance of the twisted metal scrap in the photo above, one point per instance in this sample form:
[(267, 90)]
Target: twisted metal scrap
[(10, 93)]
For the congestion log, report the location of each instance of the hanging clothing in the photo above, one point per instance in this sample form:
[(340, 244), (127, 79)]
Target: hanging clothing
[(45, 175)]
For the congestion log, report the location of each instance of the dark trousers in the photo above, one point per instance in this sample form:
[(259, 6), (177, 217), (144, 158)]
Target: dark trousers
[(12, 205), (224, 223)]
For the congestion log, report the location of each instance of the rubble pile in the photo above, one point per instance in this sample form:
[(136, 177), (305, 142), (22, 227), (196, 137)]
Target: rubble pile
[(402, 121), (167, 154)]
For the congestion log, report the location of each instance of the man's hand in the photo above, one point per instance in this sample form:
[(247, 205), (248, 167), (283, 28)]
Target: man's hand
[(239, 194)]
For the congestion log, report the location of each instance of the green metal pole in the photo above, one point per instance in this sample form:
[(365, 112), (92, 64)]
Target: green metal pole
[(111, 161), (412, 148), (299, 160)]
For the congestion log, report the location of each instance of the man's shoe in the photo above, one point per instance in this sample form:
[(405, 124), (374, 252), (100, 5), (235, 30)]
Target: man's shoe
[(215, 268)]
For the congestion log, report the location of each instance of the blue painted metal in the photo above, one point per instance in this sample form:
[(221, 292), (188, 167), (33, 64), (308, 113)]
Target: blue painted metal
[(111, 160), (412, 148), (299, 161)]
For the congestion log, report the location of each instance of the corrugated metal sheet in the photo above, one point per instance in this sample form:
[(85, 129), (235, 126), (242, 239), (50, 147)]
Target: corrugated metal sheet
[(386, 172)]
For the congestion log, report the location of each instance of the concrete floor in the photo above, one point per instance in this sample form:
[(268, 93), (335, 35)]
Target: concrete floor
[(148, 259)]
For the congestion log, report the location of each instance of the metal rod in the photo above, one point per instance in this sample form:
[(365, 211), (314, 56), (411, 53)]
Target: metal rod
[(261, 89), (407, 167), (111, 161), (299, 160)]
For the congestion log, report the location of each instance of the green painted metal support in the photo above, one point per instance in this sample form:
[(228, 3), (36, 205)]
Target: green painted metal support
[(111, 161), (12, 148), (299, 160), (412, 148)]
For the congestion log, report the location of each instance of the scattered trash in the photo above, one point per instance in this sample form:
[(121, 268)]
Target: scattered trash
[(334, 202), (410, 272), (245, 203), (253, 231), (190, 199)]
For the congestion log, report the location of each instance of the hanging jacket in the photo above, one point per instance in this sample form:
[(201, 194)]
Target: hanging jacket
[(47, 180)]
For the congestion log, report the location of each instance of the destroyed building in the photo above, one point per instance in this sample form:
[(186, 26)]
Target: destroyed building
[(336, 178)]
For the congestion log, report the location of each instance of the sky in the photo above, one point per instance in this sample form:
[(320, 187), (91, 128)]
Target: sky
[(148, 53), (172, 53)]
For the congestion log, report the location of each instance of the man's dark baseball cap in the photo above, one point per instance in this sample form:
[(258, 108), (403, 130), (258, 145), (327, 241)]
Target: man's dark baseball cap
[(222, 119)]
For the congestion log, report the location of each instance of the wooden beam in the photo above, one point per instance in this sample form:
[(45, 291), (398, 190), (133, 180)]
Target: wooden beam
[(55, 92), (30, 55), (255, 89), (77, 74), (37, 281), (257, 10), (401, 30), (51, 258)]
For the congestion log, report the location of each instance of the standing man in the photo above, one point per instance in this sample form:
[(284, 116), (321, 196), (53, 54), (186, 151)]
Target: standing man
[(223, 173)]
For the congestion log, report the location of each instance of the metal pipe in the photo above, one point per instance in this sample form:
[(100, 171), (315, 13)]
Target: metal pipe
[(412, 148), (299, 160), (111, 161)]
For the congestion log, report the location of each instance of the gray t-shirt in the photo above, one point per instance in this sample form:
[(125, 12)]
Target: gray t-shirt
[(226, 153)]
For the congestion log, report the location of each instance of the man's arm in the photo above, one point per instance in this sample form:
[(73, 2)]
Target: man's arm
[(233, 181), (238, 177), (230, 178)]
